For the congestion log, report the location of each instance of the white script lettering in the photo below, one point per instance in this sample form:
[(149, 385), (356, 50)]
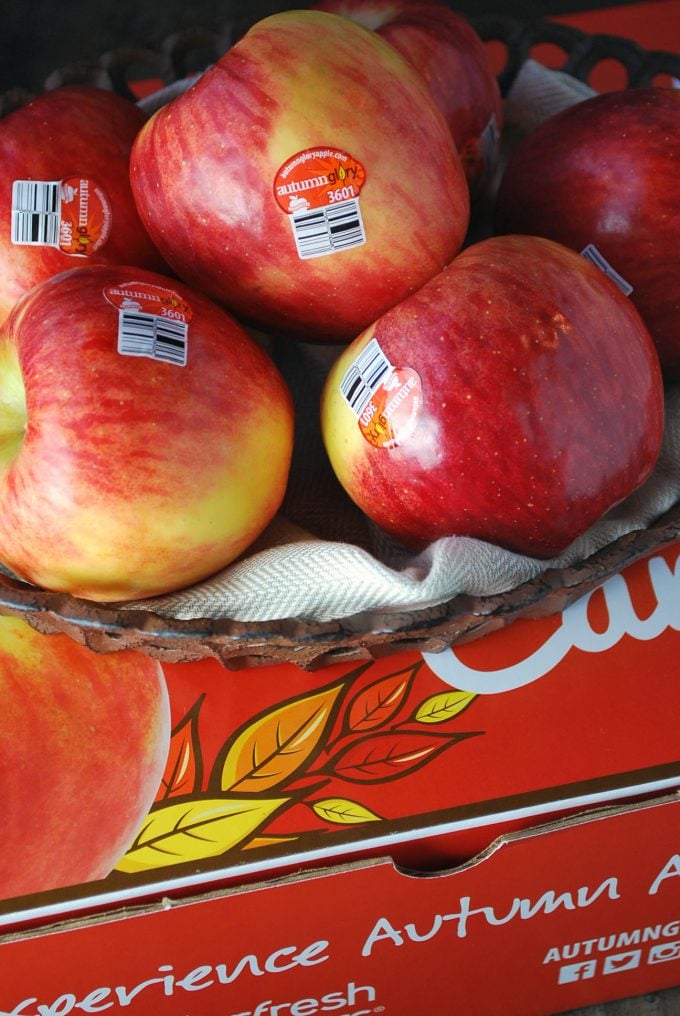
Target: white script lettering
[(522, 909), (575, 632), (670, 870)]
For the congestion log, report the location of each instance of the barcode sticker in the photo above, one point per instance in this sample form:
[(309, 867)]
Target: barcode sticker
[(386, 400), (35, 212), (73, 215), (593, 254), (152, 321), (320, 231), (363, 378), (319, 189), (159, 338)]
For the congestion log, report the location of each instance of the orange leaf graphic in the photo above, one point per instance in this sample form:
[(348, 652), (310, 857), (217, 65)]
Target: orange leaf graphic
[(378, 758), (184, 766), (277, 744), (375, 705), (195, 830)]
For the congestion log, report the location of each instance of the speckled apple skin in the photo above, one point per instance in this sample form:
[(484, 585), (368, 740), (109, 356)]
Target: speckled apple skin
[(445, 49), (542, 402), (72, 130), (123, 476), (607, 172), (203, 172)]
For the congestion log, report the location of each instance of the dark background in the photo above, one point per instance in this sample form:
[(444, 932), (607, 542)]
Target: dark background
[(39, 36)]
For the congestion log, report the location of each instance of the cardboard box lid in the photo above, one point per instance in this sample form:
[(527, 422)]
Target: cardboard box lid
[(544, 921)]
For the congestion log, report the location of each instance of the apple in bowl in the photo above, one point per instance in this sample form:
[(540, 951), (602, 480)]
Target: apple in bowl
[(84, 740), (145, 437), (602, 177), (307, 181), (65, 197), (515, 398), (445, 49)]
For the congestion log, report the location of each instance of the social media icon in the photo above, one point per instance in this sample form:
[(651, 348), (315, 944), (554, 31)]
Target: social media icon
[(577, 972), (622, 961), (664, 952)]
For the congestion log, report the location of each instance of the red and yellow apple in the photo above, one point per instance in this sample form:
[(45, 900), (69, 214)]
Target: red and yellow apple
[(515, 398), (605, 172), (65, 197), (453, 60), (83, 744), (125, 472), (307, 181)]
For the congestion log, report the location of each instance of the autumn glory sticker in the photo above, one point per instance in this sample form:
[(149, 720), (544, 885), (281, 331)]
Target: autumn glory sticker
[(385, 399), (319, 189)]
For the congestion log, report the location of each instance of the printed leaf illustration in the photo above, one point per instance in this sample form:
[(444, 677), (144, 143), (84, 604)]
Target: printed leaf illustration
[(277, 744), (443, 706), (184, 767), (342, 811), (378, 758), (194, 830), (258, 842), (375, 705)]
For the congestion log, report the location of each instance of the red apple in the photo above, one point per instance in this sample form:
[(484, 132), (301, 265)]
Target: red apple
[(606, 172), (145, 438), (452, 58), (307, 180), (515, 398), (65, 197), (83, 744)]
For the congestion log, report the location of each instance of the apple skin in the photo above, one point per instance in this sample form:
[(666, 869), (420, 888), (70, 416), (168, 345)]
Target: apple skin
[(609, 176), (541, 402), (203, 171), (445, 49), (73, 130), (83, 744), (122, 476)]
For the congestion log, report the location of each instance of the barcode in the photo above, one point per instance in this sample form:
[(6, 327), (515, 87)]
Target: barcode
[(35, 212), (593, 254), (364, 376), (325, 230), (159, 338)]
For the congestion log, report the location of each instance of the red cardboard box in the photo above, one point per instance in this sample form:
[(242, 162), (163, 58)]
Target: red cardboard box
[(549, 919), (492, 830), (505, 817)]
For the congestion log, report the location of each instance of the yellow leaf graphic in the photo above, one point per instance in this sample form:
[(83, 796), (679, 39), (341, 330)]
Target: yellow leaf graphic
[(194, 830), (277, 743), (342, 811), (443, 706), (258, 842)]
